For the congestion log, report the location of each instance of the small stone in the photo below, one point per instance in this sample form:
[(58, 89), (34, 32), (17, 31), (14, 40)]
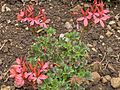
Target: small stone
[(108, 34), (115, 82), (8, 9), (8, 21), (3, 8), (118, 31), (4, 87), (103, 44), (109, 27), (26, 28), (109, 50), (101, 36), (110, 66), (86, 5), (95, 76), (68, 25), (111, 22), (94, 49), (118, 23), (89, 45), (104, 80), (108, 77)]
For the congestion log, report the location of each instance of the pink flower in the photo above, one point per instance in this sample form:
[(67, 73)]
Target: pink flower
[(40, 78), (85, 18), (19, 81)]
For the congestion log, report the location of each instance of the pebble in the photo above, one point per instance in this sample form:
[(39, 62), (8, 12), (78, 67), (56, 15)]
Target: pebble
[(109, 50), (111, 22), (95, 76), (101, 36), (68, 25), (106, 78), (5, 8), (108, 34), (115, 82), (93, 49)]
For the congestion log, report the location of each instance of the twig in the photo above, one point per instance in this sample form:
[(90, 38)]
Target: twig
[(3, 45), (103, 57)]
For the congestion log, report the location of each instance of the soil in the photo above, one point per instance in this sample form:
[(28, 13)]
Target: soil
[(104, 54)]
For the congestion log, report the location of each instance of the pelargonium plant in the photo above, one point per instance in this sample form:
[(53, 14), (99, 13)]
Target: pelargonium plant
[(23, 71), (32, 17), (95, 13)]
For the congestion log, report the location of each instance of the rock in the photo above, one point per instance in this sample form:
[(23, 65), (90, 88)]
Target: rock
[(109, 50), (94, 49), (8, 9), (95, 76), (118, 23), (109, 27), (3, 8), (108, 34), (117, 17), (111, 22), (104, 80), (68, 25), (110, 66), (115, 82), (4, 87), (108, 77), (101, 36), (86, 5), (118, 31), (89, 45)]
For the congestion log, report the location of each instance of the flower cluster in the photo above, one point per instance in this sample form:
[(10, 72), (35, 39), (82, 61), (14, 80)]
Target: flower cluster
[(28, 15), (23, 70), (96, 12)]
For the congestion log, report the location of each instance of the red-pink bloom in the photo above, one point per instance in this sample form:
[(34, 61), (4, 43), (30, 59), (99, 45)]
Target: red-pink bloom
[(22, 71), (85, 18), (28, 15), (19, 81)]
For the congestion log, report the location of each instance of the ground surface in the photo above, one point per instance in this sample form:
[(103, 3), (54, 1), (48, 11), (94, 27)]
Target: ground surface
[(104, 44)]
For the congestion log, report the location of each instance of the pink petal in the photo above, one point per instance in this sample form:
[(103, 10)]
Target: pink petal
[(39, 81), (89, 16), (97, 14), (96, 20), (80, 19), (106, 11), (43, 25), (21, 13), (0, 77), (102, 24), (43, 77), (32, 23), (85, 22), (18, 61), (26, 75), (19, 81), (104, 18), (47, 21), (37, 22), (46, 65), (12, 73)]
